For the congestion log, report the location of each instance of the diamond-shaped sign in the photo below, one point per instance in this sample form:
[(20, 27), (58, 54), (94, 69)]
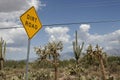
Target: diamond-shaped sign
[(31, 22)]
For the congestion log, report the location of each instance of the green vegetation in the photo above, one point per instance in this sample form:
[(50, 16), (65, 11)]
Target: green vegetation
[(94, 64), (14, 64), (50, 53), (99, 55), (15, 70)]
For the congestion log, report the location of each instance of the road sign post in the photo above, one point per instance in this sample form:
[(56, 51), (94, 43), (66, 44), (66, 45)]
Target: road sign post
[(32, 25), (27, 61)]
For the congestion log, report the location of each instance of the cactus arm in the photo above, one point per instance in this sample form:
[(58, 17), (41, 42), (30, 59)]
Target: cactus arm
[(1, 45), (0, 49), (82, 46), (4, 50), (75, 51), (76, 38), (80, 49), (77, 48)]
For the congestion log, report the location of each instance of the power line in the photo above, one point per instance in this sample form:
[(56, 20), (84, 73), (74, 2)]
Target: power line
[(92, 22), (99, 2), (100, 5), (10, 27), (63, 24)]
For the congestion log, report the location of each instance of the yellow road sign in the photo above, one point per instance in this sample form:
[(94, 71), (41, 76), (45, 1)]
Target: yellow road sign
[(31, 22)]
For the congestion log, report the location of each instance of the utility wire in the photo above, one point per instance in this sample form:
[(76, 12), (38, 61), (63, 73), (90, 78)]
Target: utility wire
[(100, 5), (10, 27), (99, 2), (63, 24), (92, 22), (103, 2)]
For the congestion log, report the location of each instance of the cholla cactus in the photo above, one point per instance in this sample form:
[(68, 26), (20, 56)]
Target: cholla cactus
[(50, 53), (99, 55), (2, 52), (77, 48)]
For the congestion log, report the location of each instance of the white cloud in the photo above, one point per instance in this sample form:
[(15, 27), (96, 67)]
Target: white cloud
[(12, 5), (36, 3), (13, 36), (15, 8), (17, 5), (57, 30), (15, 53), (58, 33), (84, 27), (84, 31), (108, 41)]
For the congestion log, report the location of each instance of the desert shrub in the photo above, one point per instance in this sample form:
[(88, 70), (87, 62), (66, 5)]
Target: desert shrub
[(42, 64), (68, 78), (65, 63), (88, 61), (114, 68), (41, 75), (14, 78), (75, 70), (14, 64), (2, 75), (113, 59)]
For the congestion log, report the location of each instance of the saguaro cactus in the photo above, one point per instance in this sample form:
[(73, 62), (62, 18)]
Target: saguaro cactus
[(50, 53), (77, 48), (2, 52), (99, 55)]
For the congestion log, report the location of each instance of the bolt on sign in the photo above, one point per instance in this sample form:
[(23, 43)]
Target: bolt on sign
[(31, 22)]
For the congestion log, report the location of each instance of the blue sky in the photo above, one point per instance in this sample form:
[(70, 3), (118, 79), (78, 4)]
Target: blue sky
[(72, 11), (61, 11)]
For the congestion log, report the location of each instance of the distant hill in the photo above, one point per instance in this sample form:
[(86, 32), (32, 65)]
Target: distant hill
[(115, 52), (67, 55)]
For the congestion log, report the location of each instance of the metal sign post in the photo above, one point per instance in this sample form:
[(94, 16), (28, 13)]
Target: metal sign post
[(32, 25), (27, 61)]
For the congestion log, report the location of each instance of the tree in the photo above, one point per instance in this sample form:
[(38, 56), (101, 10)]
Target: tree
[(77, 49), (2, 52), (98, 54), (50, 53)]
